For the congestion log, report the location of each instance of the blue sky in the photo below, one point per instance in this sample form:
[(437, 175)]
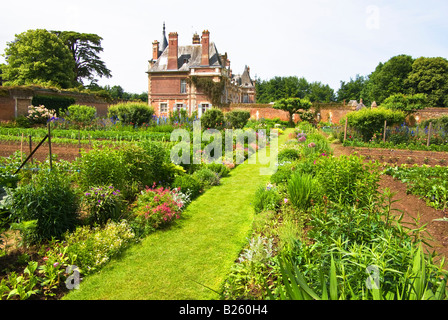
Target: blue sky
[(321, 40)]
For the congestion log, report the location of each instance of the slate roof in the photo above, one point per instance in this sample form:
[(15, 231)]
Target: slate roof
[(243, 80), (188, 57)]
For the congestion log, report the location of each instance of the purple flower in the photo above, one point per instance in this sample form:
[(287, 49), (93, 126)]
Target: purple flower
[(87, 194)]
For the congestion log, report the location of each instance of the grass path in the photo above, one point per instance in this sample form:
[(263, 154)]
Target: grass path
[(196, 253)]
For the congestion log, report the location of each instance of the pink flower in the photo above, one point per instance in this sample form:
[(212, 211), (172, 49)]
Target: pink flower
[(285, 200), (56, 264)]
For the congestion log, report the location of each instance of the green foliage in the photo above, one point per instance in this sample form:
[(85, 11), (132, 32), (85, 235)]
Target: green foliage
[(430, 183), (300, 190), (369, 121), (237, 119), (134, 113), (130, 168), (207, 178), (352, 90), (158, 207), (213, 119), (292, 87), (389, 78), (289, 154), (214, 90), (293, 106), (221, 169), (56, 103), (188, 184), (267, 198), (80, 115), (430, 76), (103, 204), (84, 48), (49, 200), (92, 247), (409, 104), (347, 179), (38, 57)]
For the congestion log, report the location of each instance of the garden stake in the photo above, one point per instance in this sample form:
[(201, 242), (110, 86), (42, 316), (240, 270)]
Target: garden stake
[(49, 144), (384, 134), (429, 134)]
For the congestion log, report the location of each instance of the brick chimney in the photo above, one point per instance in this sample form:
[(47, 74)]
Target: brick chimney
[(155, 50), (172, 51), (196, 39), (205, 42)]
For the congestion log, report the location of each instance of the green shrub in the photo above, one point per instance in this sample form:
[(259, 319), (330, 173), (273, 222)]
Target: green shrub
[(267, 198), (212, 119), (221, 169), (207, 178), (158, 207), (49, 200), (289, 154), (347, 179), (92, 247), (300, 190), (59, 104), (80, 115), (188, 184), (237, 119), (103, 204), (134, 113), (369, 121)]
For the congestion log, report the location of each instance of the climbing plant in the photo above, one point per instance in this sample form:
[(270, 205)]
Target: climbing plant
[(214, 90)]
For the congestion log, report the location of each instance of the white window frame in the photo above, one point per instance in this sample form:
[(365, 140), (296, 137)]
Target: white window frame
[(183, 86), (162, 106)]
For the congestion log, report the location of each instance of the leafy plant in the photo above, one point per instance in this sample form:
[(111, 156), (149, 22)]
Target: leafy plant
[(49, 200), (267, 198), (188, 184), (207, 178), (300, 190), (103, 204)]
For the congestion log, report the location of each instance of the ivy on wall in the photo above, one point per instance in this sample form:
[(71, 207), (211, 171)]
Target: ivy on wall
[(213, 90)]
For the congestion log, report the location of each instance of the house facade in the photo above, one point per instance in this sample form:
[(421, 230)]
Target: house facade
[(174, 73)]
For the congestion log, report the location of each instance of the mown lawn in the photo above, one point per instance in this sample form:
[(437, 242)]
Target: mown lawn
[(190, 260)]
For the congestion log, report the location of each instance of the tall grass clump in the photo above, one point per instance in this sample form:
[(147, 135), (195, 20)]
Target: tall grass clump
[(300, 190)]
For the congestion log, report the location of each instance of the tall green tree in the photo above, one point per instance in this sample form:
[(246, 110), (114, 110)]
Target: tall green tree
[(85, 49), (430, 76), (389, 78), (293, 106), (38, 57), (408, 104), (319, 92), (353, 89)]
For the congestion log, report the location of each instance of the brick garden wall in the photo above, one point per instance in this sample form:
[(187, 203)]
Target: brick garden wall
[(14, 101)]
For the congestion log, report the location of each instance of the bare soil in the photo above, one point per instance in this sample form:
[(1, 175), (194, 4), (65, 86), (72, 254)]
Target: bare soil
[(414, 208)]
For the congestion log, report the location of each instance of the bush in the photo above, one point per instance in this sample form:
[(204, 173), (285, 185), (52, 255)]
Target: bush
[(157, 207), (237, 119), (134, 113), (80, 115), (49, 201), (59, 104), (188, 184), (221, 169), (347, 180), (212, 119), (91, 248), (207, 178), (288, 154), (267, 198), (40, 114), (370, 121), (300, 190), (103, 204)]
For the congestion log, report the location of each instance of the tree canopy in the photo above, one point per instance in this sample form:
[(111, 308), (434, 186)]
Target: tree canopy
[(430, 76), (38, 57), (85, 48), (408, 104), (293, 106), (293, 87)]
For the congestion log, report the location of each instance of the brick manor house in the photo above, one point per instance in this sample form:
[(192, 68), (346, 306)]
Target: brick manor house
[(172, 68)]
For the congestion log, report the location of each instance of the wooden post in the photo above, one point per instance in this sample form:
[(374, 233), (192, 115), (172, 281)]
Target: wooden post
[(49, 145), (31, 148), (345, 129), (429, 134), (79, 142), (21, 149), (384, 133)]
